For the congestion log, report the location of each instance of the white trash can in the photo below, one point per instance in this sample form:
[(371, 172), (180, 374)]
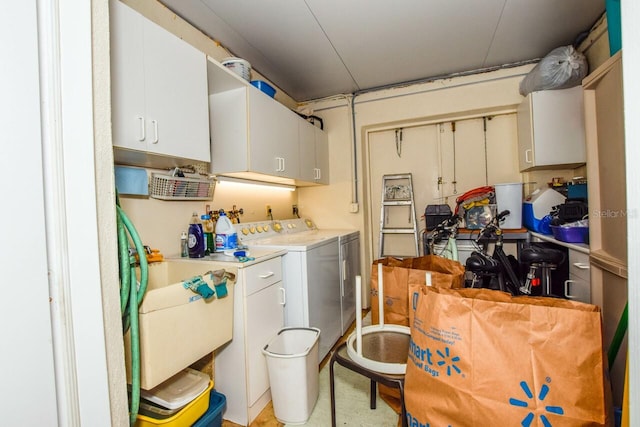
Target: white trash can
[(292, 362), (509, 197)]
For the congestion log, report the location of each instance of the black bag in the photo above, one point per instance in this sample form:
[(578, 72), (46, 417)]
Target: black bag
[(435, 214), (572, 210)]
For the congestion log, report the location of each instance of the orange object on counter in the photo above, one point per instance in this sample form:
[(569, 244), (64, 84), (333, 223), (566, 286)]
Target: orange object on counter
[(153, 255)]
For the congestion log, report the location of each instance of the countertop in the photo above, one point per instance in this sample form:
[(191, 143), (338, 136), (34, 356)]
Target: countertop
[(260, 255), (580, 247)]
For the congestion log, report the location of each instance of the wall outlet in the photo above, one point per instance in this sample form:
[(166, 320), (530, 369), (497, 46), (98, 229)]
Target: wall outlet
[(294, 209), (354, 207), (268, 210)]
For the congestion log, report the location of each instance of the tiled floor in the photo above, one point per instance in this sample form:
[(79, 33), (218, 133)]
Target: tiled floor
[(266, 417)]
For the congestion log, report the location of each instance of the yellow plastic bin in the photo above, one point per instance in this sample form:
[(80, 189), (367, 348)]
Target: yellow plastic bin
[(175, 391)]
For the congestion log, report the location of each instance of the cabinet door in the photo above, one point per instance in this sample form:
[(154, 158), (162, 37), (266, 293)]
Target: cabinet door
[(265, 317), (127, 77), (525, 135), (176, 101), (577, 289), (307, 144), (314, 153), (551, 129), (273, 136), (322, 156)]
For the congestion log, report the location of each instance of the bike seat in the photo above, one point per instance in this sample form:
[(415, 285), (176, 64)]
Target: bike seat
[(479, 262), (536, 254)]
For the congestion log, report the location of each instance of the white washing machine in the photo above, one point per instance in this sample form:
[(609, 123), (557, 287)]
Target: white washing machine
[(312, 281)]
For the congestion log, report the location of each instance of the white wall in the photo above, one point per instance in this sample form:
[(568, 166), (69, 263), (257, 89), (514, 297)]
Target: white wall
[(434, 102), (160, 222)]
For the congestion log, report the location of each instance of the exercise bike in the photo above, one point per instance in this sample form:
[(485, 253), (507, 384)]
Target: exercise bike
[(446, 232), (500, 271)]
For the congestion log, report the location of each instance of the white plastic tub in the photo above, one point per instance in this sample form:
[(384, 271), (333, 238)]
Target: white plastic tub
[(177, 326), (292, 362), (509, 197)]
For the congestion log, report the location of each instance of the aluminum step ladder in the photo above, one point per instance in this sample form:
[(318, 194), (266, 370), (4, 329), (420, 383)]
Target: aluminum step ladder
[(397, 195)]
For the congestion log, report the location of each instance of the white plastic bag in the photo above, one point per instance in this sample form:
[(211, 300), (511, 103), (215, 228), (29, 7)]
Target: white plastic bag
[(562, 68)]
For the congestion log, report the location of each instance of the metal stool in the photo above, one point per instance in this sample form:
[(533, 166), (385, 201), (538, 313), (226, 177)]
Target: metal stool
[(341, 357), (545, 259)]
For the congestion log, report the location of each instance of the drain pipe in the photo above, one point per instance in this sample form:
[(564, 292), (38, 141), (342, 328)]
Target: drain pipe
[(354, 189)]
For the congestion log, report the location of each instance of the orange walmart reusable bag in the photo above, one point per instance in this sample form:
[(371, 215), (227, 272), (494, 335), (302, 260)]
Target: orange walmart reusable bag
[(483, 358), (399, 275)]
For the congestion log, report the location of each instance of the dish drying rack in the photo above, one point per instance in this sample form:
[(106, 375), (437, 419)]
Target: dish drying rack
[(169, 187)]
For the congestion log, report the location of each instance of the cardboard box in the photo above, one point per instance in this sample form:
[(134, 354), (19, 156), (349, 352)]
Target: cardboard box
[(177, 326)]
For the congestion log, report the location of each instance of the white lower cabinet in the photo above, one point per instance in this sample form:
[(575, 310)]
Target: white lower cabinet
[(578, 286), (240, 367)]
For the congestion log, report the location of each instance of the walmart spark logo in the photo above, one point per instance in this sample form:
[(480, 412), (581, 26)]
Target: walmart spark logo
[(448, 361), (544, 391)]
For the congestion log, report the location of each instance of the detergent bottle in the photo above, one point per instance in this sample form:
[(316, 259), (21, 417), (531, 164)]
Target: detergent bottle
[(226, 236), (196, 237), (207, 227)]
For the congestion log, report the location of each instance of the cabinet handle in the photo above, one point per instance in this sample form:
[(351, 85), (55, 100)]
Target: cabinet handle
[(566, 289), (343, 282), (526, 156), (142, 135), (265, 276), (283, 293), (581, 265), (279, 166), (318, 174), (283, 164), (155, 131)]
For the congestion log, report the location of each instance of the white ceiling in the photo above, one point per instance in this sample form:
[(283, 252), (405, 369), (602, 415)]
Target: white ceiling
[(316, 48)]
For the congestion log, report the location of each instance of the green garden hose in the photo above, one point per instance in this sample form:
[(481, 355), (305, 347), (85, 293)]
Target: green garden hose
[(621, 330), (130, 298)]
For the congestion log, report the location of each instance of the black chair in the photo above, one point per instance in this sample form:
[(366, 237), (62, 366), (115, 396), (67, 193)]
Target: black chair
[(341, 356)]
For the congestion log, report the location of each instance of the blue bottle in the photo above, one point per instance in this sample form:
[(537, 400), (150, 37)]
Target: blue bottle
[(196, 238)]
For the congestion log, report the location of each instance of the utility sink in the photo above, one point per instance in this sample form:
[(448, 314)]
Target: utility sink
[(177, 325)]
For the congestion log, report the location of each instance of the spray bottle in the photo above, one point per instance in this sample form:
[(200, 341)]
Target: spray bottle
[(207, 227)]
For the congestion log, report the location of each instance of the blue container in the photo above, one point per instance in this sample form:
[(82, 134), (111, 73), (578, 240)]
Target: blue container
[(571, 234), (614, 26), (213, 416), (264, 87)]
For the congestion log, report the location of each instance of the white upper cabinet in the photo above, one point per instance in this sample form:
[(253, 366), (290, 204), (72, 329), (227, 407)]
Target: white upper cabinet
[(159, 94), (314, 154), (255, 137), (551, 130), (273, 136)]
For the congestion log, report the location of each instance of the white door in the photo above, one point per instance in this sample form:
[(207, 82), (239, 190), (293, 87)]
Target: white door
[(444, 165), (27, 369), (417, 154), (52, 292)]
